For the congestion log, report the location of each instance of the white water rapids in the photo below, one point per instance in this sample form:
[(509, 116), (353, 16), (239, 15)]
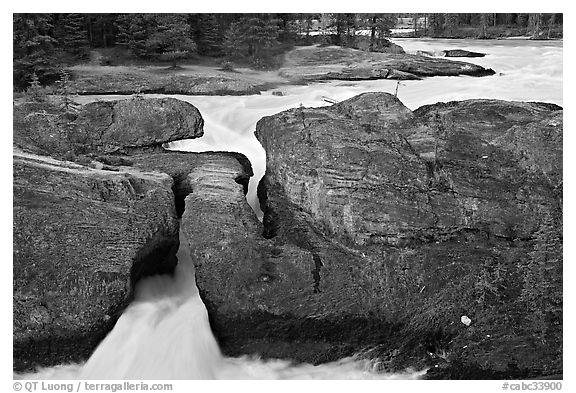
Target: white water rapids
[(164, 333)]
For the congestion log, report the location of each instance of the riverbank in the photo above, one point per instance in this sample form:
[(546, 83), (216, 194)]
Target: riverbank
[(300, 65), (492, 32)]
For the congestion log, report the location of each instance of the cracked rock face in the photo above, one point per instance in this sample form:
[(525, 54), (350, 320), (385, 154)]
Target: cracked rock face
[(370, 171), (82, 238), (84, 234), (380, 225)]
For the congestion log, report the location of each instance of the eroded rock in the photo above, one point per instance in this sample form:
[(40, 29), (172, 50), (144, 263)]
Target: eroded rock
[(82, 238), (382, 227), (462, 53), (322, 63), (104, 126)]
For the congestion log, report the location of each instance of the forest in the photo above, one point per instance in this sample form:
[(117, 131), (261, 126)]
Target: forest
[(45, 43)]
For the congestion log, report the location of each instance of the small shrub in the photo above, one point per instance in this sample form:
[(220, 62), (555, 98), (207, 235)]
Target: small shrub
[(35, 91), (227, 66)]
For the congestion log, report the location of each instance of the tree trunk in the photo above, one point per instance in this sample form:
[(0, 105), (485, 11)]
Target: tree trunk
[(90, 34), (373, 33)]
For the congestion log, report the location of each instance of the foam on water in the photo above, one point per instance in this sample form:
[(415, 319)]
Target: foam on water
[(165, 334)]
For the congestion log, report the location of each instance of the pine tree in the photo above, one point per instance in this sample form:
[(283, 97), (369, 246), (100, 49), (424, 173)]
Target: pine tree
[(35, 90), (252, 37), (34, 49), (522, 20), (345, 25), (379, 26), (542, 289), (435, 24), (535, 25), (138, 34), (483, 33), (234, 41), (122, 24), (172, 38), (451, 24), (209, 36), (74, 39)]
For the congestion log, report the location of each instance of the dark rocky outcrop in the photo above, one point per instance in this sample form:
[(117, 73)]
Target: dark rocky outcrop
[(140, 123), (462, 53), (382, 228), (82, 238), (336, 63), (85, 233), (104, 126)]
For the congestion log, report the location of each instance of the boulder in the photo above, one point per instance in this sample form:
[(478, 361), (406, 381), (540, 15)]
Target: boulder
[(104, 126), (139, 123), (462, 53), (382, 228)]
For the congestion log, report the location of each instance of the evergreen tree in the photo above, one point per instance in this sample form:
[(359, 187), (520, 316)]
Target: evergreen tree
[(415, 18), (209, 36), (34, 49), (450, 24), (379, 26), (542, 290), (345, 25), (483, 18), (123, 34), (234, 42), (74, 39), (535, 25), (522, 20), (172, 38), (435, 24), (252, 37), (138, 34), (35, 90)]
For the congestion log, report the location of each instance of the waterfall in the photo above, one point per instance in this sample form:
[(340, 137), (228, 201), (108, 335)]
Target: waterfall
[(163, 334)]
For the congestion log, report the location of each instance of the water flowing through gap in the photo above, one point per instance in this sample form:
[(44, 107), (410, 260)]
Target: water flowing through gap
[(164, 333)]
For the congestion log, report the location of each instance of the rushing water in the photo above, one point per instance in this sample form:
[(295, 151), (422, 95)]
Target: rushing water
[(165, 334)]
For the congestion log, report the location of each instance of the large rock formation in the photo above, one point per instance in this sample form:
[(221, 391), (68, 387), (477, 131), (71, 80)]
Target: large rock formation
[(329, 63), (86, 232), (104, 126), (82, 238), (383, 227)]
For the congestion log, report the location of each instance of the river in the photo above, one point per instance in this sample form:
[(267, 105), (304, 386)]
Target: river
[(165, 333)]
